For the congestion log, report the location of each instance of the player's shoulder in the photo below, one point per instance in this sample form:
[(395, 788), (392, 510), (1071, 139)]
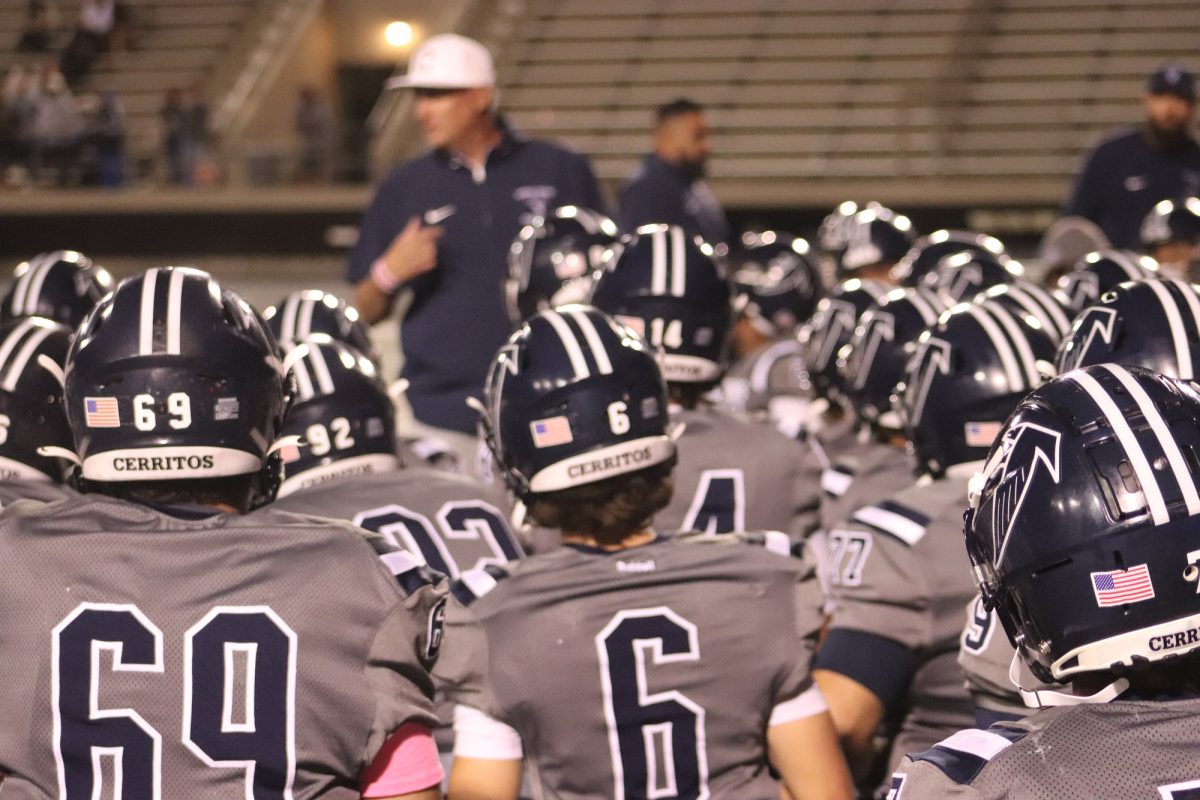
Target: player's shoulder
[(1120, 140), (476, 588), (901, 517), (953, 765)]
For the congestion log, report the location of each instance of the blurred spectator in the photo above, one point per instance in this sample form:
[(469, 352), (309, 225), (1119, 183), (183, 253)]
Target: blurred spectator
[(669, 185), (106, 138), (315, 127), (40, 23), (92, 31), (1130, 171), (185, 134), (55, 131)]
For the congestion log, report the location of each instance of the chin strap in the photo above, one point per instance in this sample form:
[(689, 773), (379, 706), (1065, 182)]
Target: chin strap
[(53, 367), (52, 451), (1049, 697), (285, 441)]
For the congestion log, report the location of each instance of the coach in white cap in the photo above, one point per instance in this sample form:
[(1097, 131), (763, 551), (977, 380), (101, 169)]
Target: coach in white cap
[(441, 225)]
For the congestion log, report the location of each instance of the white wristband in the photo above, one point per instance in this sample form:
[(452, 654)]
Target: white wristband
[(383, 278)]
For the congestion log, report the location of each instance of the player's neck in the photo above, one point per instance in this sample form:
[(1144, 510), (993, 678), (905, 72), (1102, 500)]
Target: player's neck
[(637, 539), (477, 142)]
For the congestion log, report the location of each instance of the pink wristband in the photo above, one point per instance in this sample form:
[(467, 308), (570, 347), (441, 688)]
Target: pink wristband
[(383, 278), (408, 762)]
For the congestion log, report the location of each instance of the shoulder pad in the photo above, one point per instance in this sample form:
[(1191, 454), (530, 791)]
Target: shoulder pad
[(963, 755), (836, 479), (896, 520), (410, 573), (475, 583)]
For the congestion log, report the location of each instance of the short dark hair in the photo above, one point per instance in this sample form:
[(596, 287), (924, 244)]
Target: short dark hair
[(609, 510), (232, 490), (678, 107)]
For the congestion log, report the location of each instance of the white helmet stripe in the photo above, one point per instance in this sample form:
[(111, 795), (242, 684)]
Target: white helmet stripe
[(599, 354), (569, 342), (1183, 350), (1137, 458), (1183, 475), (678, 262), (287, 318), (19, 290), (924, 307), (304, 384), (1193, 302), (306, 316), (146, 328), (1021, 340), (1043, 309), (37, 277), (1012, 369), (174, 309), (320, 369), (13, 339), (18, 364), (658, 255)]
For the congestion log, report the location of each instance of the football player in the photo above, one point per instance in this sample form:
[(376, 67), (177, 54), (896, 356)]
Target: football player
[(1151, 323), (173, 644), (1082, 533), (876, 239), (733, 474), (32, 351), (928, 251), (62, 286), (961, 276), (1096, 273), (1171, 234), (898, 576), (616, 664), (308, 311)]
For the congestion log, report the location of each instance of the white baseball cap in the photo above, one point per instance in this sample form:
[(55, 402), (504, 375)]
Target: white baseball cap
[(448, 61)]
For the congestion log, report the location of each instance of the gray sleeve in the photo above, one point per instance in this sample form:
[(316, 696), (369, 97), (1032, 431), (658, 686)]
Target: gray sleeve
[(398, 663), (920, 780), (889, 598), (462, 668)]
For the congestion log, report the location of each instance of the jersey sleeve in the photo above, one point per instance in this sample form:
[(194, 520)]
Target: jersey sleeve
[(915, 780), (399, 661), (796, 695), (462, 669)]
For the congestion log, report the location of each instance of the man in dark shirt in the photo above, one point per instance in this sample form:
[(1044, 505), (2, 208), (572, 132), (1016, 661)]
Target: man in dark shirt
[(669, 185), (1131, 170), (441, 224)]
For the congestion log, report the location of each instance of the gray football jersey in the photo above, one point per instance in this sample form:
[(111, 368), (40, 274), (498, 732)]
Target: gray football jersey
[(152, 655), (738, 475), (771, 370), (638, 670), (1123, 750), (453, 522), (868, 472), (899, 570), (42, 491), (985, 656)]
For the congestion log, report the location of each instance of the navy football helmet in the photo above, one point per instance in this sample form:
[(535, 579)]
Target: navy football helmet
[(574, 397), (834, 234), (308, 311), (1171, 221), (928, 251), (1151, 323), (881, 347), (778, 279), (173, 377), (830, 329), (1096, 273), (963, 275), (669, 288), (62, 286), (341, 411), (554, 260), (1039, 306), (965, 377), (875, 235), (1082, 525), (32, 352)]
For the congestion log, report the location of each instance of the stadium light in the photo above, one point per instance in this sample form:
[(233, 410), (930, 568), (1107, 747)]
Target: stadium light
[(398, 33)]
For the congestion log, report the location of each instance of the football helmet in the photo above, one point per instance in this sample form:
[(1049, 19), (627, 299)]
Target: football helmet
[(778, 280), (834, 233), (32, 352), (669, 288), (965, 377), (308, 311), (963, 275), (574, 397), (1082, 525), (830, 329), (928, 251), (174, 377), (554, 259), (1039, 306), (875, 235), (1096, 273), (62, 286), (881, 347), (1171, 221), (341, 411), (1152, 323)]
